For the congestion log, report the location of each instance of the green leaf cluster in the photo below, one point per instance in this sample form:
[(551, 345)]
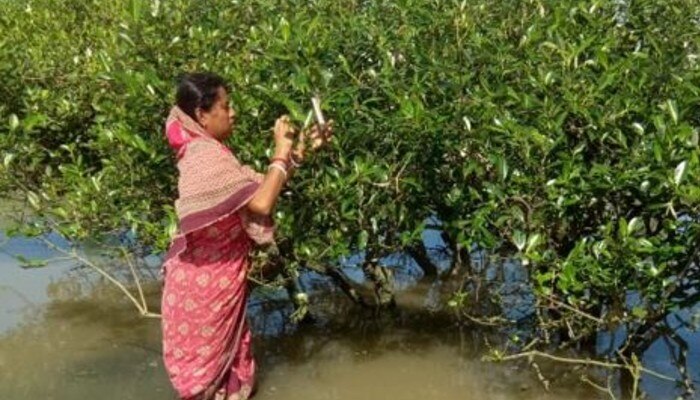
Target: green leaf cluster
[(565, 131)]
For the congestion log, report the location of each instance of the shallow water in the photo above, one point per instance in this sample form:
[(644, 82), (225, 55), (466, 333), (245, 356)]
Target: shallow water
[(98, 348), (65, 335)]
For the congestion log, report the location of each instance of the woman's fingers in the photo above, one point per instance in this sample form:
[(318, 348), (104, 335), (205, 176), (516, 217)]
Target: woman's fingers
[(298, 155), (328, 132), (316, 138), (301, 143), (283, 127), (301, 135), (280, 125), (284, 134), (320, 137)]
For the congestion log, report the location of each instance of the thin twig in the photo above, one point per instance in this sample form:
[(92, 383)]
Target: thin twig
[(136, 280), (265, 284), (681, 360), (398, 175), (576, 310), (531, 344), (491, 321), (102, 272), (580, 361), (544, 381), (635, 371), (607, 390)]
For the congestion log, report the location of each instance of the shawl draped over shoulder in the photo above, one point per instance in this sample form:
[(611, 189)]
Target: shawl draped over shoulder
[(212, 184)]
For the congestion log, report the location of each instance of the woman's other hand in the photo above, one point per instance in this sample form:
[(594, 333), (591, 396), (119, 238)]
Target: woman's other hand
[(316, 136), (320, 137)]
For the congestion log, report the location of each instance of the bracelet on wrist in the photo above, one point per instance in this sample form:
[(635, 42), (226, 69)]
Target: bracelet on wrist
[(281, 160), (279, 166), (295, 163)]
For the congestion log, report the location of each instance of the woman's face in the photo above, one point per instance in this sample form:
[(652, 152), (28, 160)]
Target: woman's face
[(218, 122)]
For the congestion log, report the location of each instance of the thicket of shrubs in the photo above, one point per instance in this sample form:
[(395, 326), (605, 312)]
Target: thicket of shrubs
[(562, 132)]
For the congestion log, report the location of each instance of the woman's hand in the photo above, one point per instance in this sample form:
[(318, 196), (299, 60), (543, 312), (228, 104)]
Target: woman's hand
[(321, 137), (316, 136), (284, 137), (265, 198)]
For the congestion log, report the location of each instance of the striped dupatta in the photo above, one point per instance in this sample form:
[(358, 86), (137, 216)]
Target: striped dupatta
[(212, 184)]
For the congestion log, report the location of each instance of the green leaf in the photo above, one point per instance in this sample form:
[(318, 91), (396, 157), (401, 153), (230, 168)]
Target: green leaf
[(286, 31), (502, 165), (672, 110), (634, 224), (639, 312), (533, 242), (622, 227), (27, 263), (135, 6), (14, 122), (645, 243), (8, 159), (33, 199), (362, 239), (679, 172), (519, 239)]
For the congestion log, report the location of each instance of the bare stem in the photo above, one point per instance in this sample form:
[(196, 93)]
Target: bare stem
[(74, 254), (581, 361), (607, 389), (137, 281), (575, 310)]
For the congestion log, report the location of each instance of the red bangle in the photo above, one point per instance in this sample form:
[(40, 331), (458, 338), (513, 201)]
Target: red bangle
[(282, 160)]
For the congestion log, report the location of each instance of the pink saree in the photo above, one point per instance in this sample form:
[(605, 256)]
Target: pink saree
[(206, 339)]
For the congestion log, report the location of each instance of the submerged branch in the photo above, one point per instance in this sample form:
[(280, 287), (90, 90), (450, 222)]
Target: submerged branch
[(137, 281), (341, 280), (607, 389), (581, 361), (142, 307), (420, 255), (692, 260), (680, 359), (575, 310)]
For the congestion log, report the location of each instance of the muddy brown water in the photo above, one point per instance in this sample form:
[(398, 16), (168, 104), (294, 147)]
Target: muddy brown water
[(97, 348), (65, 335)]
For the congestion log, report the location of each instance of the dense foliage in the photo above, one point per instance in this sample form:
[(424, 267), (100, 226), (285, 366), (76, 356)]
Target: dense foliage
[(563, 132)]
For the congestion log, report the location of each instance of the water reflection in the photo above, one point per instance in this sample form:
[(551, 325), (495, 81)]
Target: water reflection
[(24, 290), (64, 335), (95, 346), (90, 347)]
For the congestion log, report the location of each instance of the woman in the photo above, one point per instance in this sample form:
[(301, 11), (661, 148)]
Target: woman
[(223, 208)]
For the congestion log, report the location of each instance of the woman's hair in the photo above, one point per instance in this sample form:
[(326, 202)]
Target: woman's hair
[(198, 90)]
